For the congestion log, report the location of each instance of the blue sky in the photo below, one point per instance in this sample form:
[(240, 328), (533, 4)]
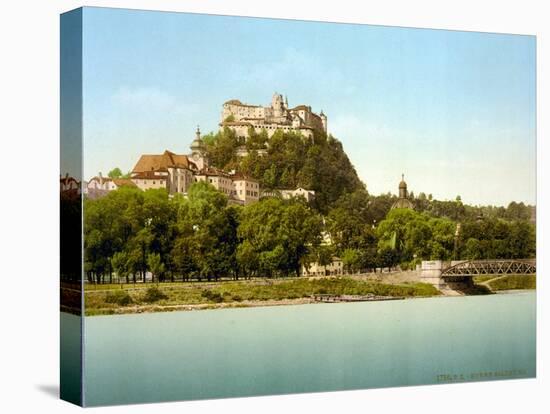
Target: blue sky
[(453, 111)]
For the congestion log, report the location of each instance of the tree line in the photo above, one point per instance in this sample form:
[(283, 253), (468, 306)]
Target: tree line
[(131, 233), (199, 237), (367, 233)]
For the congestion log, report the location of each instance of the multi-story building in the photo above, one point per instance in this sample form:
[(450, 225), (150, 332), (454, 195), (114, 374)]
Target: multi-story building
[(335, 267), (239, 188), (308, 195), (246, 189), (177, 172), (221, 180), (99, 186), (174, 172), (278, 116)]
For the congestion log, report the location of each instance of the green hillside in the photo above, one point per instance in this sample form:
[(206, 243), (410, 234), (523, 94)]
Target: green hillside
[(288, 160)]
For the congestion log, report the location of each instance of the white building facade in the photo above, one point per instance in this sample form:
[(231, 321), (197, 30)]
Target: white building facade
[(277, 116)]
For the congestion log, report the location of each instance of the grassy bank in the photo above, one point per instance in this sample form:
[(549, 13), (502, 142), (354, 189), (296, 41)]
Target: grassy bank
[(511, 282), (237, 294)]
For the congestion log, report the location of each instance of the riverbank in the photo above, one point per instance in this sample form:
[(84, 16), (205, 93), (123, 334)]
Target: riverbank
[(507, 282), (166, 297), (200, 296)]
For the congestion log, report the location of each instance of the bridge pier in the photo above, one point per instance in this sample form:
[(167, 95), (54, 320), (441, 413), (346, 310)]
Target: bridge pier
[(430, 272)]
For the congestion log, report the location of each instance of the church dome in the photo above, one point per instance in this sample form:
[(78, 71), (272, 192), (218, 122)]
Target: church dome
[(403, 203), (197, 143), (403, 184)]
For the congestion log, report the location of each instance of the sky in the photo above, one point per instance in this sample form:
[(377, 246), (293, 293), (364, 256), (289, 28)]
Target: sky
[(453, 111)]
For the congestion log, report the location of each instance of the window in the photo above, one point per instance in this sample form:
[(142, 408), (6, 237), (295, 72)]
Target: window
[(153, 183)]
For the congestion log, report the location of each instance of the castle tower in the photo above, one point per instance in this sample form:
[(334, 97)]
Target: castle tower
[(278, 105), (323, 120), (198, 151)]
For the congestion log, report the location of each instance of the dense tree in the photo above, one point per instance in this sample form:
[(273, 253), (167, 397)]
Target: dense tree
[(120, 265), (117, 173), (350, 220), (155, 265), (416, 236), (206, 241), (351, 259), (290, 161), (494, 238), (132, 233), (276, 235)]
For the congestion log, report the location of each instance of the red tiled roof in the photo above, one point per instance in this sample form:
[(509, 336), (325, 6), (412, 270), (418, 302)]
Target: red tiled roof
[(120, 182), (213, 172), (161, 162)]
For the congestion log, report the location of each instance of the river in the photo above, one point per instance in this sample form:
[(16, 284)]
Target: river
[(308, 348)]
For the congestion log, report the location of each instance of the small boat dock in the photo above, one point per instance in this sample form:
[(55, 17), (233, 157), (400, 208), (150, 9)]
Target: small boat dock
[(353, 298)]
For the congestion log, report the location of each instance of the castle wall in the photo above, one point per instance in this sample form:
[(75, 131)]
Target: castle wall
[(242, 111), (271, 118), (242, 130)]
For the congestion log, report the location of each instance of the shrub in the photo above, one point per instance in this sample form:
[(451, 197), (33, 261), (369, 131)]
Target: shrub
[(154, 294), (212, 296), (119, 297), (216, 298)]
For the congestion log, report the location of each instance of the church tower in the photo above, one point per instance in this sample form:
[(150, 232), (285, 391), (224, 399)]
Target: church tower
[(403, 187), (403, 200), (198, 151)]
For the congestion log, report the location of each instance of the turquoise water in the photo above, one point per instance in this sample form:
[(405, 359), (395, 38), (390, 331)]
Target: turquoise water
[(307, 348)]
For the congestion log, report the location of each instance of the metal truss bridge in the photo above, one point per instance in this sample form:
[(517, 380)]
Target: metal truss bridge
[(490, 267)]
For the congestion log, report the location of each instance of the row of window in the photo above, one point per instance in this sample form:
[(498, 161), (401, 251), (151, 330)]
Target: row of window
[(252, 185), (225, 190), (147, 181)]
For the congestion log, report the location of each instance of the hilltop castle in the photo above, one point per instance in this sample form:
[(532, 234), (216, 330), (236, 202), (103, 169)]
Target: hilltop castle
[(239, 117)]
